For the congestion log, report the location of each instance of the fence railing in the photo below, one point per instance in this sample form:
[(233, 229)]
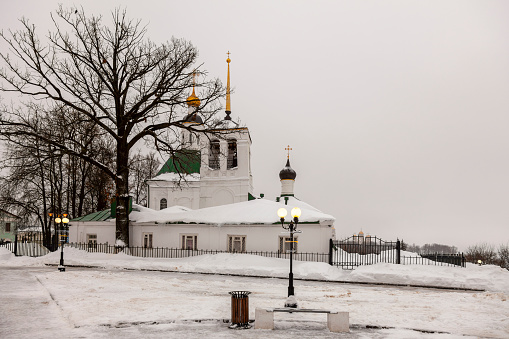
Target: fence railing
[(164, 252), (29, 249), (437, 259), (337, 257), (359, 250)]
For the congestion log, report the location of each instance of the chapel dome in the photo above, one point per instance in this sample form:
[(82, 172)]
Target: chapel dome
[(287, 173), (194, 117)]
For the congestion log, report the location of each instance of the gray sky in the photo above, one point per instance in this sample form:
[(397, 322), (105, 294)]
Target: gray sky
[(397, 111)]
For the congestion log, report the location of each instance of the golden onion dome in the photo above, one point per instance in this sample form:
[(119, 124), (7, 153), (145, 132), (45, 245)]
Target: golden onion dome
[(193, 100), (361, 233)]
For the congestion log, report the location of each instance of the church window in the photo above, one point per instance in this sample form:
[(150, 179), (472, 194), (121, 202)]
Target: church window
[(163, 204), (214, 154), (147, 240), (232, 153), (237, 243), (189, 241), (7, 227), (285, 244)]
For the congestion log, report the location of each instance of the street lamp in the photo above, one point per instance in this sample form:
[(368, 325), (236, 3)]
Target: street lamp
[(63, 220), (292, 227)]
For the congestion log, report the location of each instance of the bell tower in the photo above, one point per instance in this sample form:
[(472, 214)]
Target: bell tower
[(226, 161)]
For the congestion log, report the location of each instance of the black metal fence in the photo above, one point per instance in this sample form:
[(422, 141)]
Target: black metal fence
[(439, 259), (30, 249), (164, 252), (347, 254), (359, 250)]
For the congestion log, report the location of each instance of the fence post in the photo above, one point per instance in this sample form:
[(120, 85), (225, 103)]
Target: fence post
[(330, 251), (398, 252), (16, 243)]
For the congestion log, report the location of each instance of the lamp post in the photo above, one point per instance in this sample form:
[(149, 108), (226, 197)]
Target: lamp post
[(63, 220), (292, 227)]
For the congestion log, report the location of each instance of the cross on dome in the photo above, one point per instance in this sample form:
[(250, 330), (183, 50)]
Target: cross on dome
[(288, 148)]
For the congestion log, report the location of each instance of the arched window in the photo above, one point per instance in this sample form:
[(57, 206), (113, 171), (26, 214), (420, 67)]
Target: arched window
[(163, 204), (232, 153), (214, 154)]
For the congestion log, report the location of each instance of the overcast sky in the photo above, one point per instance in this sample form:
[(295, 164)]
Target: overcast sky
[(397, 111)]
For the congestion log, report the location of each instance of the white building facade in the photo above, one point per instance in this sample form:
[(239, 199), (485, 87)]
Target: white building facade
[(240, 227)]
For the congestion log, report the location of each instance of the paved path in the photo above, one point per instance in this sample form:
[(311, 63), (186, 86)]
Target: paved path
[(28, 310), (27, 307)]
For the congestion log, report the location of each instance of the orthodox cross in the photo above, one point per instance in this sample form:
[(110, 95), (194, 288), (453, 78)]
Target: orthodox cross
[(228, 54), (288, 149)]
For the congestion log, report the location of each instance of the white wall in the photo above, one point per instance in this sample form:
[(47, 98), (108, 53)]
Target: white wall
[(314, 237), (105, 231)]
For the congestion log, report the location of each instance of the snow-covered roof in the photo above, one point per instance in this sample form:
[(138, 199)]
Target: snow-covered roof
[(259, 211), (175, 177)]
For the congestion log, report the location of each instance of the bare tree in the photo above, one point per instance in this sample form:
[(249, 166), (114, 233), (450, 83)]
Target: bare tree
[(503, 255), (142, 168), (112, 77), (39, 178), (484, 252)]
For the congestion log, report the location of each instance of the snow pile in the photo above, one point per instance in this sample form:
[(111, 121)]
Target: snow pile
[(144, 214), (488, 277)]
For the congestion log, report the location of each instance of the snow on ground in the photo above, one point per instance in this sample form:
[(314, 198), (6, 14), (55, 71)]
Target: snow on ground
[(113, 302), (486, 277)]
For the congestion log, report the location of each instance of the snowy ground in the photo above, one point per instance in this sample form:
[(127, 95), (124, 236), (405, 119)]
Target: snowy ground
[(40, 302)]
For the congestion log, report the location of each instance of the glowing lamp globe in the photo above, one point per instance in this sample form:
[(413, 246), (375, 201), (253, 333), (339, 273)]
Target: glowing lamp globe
[(296, 212), (58, 220), (282, 212)]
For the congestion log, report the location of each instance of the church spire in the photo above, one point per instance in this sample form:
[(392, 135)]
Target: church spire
[(193, 100), (228, 107)]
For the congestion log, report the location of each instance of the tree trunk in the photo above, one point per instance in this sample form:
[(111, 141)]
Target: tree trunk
[(122, 194)]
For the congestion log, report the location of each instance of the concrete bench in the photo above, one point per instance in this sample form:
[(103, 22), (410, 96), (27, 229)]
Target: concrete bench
[(336, 321)]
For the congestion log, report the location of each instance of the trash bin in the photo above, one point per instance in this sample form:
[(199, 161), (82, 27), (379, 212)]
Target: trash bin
[(240, 309)]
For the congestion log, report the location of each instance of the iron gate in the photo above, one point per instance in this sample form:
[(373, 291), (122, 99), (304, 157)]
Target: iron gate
[(360, 250)]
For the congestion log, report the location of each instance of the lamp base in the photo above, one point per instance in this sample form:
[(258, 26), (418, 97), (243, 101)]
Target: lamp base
[(291, 302), (61, 268)]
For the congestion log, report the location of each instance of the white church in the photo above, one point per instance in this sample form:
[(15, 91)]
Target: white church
[(211, 206)]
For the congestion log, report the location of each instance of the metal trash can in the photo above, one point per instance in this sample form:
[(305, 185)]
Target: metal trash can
[(240, 309)]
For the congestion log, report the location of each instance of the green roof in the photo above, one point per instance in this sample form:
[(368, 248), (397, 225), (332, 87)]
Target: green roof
[(97, 216), (183, 161)]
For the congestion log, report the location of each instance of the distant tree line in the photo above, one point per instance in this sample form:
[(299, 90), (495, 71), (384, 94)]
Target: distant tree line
[(431, 248), (486, 253)]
